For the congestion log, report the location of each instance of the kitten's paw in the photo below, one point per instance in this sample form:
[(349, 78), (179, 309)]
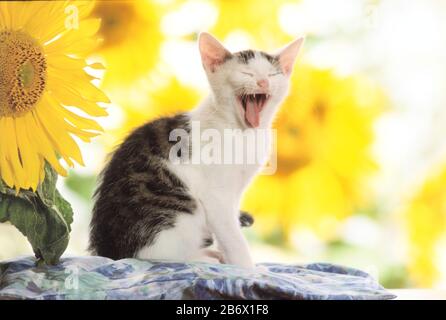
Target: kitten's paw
[(261, 269), (210, 256), (215, 254), (206, 259), (246, 265)]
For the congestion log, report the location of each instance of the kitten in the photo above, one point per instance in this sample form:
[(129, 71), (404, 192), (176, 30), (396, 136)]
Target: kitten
[(150, 207)]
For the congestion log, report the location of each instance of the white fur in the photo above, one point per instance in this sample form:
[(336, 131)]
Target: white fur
[(218, 188)]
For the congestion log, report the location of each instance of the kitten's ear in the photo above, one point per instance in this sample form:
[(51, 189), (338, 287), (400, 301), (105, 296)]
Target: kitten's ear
[(212, 51), (287, 55)]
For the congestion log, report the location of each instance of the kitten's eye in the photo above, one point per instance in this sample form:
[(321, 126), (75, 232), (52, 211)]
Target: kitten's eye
[(248, 74), (274, 74)]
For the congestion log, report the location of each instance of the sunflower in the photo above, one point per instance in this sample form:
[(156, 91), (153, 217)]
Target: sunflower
[(42, 80), (324, 135), (131, 38)]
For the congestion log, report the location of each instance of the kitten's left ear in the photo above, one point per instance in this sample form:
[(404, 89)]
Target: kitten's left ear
[(287, 55), (212, 51)]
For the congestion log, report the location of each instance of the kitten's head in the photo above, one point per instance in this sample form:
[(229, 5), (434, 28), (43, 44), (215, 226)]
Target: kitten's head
[(252, 82)]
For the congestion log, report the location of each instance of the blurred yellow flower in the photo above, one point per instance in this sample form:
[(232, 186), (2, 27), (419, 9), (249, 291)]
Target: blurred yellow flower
[(151, 99), (258, 19), (425, 216), (42, 73), (324, 133), (131, 38)]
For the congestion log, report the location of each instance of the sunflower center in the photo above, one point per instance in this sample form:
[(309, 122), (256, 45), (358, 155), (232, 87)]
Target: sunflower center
[(22, 73)]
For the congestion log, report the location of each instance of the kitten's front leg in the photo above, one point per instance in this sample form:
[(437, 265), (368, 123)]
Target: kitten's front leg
[(223, 220)]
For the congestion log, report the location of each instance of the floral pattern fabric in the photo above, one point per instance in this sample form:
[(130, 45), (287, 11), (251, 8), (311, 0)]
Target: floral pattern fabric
[(103, 278)]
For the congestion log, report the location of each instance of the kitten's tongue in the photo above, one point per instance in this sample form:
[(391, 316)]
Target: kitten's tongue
[(252, 114)]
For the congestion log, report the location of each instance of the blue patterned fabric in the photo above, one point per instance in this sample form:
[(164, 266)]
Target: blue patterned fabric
[(102, 278)]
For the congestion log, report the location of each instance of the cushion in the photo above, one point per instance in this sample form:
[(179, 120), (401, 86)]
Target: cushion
[(103, 278)]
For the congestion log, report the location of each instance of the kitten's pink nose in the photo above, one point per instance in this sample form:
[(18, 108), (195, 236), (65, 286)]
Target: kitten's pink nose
[(263, 83)]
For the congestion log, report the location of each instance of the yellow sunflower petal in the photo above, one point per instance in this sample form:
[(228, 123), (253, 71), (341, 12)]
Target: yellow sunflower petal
[(57, 132), (76, 77), (83, 135), (80, 122), (18, 14), (82, 87), (5, 18), (12, 154), (5, 167), (76, 38), (38, 23), (42, 141), (28, 155), (68, 97), (87, 91), (97, 66), (61, 61)]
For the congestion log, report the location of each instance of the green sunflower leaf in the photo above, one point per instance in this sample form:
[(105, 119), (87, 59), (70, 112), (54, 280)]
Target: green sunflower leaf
[(3, 208), (43, 217), (44, 226), (47, 189), (64, 207), (2, 187)]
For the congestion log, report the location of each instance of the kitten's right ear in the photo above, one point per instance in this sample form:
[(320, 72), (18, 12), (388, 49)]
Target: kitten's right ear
[(288, 54), (212, 52)]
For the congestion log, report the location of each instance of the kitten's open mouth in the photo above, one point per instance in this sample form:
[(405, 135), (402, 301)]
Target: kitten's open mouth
[(252, 105)]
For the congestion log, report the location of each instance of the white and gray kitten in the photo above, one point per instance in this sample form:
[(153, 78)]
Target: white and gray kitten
[(150, 207)]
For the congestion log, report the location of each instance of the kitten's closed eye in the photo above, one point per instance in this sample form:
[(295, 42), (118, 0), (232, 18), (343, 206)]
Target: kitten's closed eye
[(275, 74), (248, 73)]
